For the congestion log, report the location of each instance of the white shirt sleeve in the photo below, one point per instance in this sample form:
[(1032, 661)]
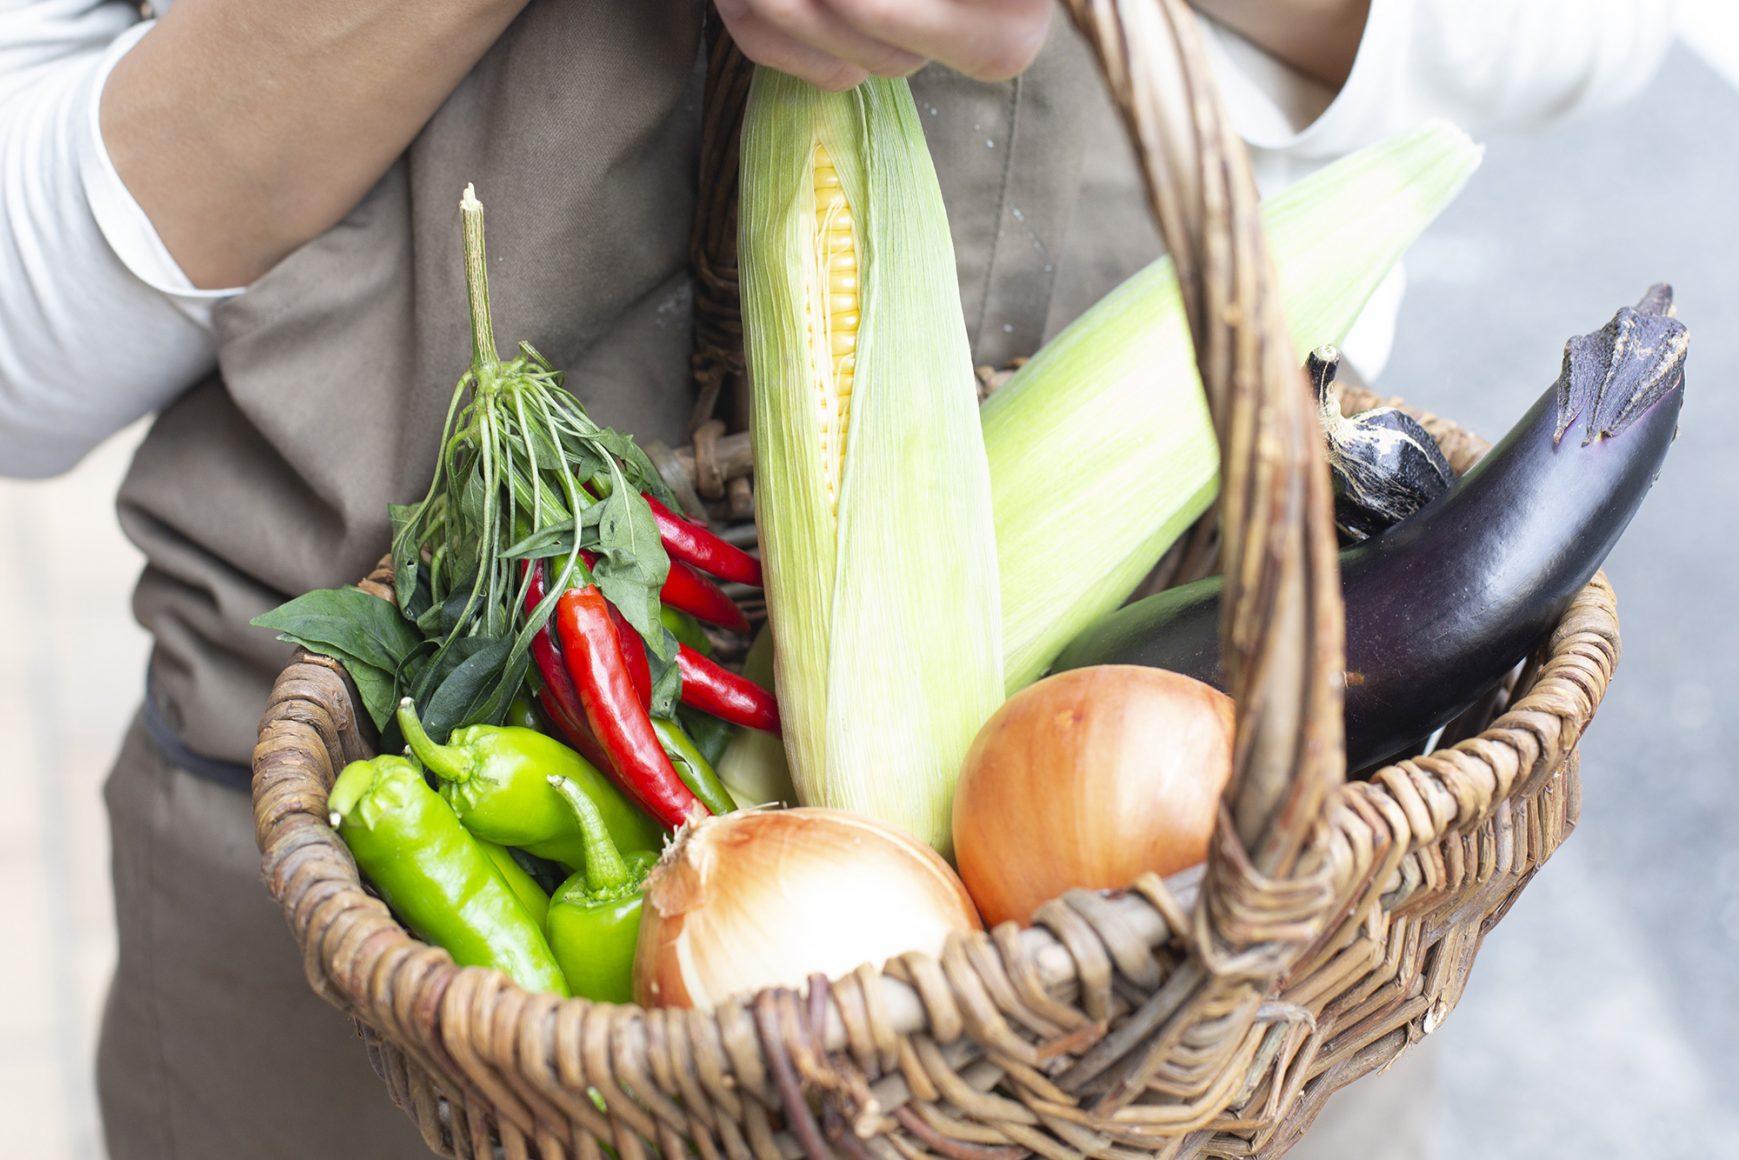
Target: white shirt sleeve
[(100, 326), (1484, 64)]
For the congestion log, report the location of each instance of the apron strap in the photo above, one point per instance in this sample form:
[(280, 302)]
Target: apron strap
[(230, 774)]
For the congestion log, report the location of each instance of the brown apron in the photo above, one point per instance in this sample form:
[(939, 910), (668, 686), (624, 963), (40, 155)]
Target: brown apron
[(580, 129)]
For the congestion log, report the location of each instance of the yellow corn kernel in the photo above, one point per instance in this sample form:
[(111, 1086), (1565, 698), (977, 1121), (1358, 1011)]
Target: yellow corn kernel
[(833, 318)]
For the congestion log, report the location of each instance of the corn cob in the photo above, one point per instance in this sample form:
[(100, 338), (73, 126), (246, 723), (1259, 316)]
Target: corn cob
[(874, 498), (1101, 449)]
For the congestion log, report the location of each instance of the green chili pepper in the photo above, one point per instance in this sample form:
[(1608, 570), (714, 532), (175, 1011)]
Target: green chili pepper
[(594, 917), (523, 714), (432, 873), (686, 629), (692, 767), (711, 735), (496, 778), (523, 885)]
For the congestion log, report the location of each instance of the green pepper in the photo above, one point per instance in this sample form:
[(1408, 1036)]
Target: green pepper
[(692, 767), (594, 917), (711, 735), (523, 885), (523, 714), (686, 629), (496, 778), (432, 873)]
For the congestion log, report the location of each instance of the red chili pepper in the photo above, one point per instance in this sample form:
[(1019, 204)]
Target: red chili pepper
[(634, 656), (687, 540), (694, 594), (592, 651), (559, 697), (708, 686), (729, 696), (689, 591)]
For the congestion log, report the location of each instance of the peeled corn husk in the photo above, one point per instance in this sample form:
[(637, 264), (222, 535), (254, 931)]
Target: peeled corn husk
[(873, 493), (1101, 449)]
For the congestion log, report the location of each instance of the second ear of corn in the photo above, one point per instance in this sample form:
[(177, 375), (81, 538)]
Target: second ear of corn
[(873, 493), (1101, 448)]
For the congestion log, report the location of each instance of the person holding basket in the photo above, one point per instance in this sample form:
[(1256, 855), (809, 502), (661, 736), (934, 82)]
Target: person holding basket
[(239, 217)]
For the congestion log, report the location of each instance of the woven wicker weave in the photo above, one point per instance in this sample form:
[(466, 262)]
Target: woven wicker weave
[(1334, 925)]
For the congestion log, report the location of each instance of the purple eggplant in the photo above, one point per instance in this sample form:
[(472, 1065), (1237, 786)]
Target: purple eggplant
[(1444, 604)]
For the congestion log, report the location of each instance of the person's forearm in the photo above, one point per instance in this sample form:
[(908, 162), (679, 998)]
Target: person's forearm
[(245, 128), (1319, 38)]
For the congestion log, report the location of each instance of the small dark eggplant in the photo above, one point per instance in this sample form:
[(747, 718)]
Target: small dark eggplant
[(1384, 465), (1440, 607)]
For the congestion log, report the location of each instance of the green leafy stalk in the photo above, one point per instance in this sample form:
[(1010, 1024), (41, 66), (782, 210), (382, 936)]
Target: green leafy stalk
[(510, 483), (483, 353)]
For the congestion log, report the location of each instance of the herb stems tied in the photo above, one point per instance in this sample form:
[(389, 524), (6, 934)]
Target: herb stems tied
[(523, 474)]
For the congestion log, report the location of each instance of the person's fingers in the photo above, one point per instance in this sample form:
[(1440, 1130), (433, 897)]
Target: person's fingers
[(765, 43), (814, 23), (988, 39)]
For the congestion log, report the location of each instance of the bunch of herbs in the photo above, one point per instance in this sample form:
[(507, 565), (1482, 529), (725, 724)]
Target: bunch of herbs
[(524, 474)]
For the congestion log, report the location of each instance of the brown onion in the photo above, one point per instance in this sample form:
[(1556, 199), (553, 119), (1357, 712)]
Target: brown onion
[(767, 898), (1088, 779)]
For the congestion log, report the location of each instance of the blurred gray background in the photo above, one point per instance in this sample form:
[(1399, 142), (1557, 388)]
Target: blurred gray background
[(1602, 1018), (1601, 1021)]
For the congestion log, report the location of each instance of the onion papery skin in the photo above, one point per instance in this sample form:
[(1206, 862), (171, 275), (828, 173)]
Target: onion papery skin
[(1090, 778), (766, 898)]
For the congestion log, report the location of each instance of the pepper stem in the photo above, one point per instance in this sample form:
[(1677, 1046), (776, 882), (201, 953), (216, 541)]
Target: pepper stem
[(483, 352), (447, 762), (605, 867)]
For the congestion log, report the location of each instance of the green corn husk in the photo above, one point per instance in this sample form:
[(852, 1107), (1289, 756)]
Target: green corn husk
[(886, 616), (1101, 448)]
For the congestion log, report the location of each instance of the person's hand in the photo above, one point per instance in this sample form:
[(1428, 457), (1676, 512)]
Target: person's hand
[(837, 43)]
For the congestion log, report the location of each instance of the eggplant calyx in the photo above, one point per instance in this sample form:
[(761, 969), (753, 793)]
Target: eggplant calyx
[(1621, 370)]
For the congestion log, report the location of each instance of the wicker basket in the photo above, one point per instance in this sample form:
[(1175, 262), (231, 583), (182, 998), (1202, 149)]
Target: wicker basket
[(1335, 923)]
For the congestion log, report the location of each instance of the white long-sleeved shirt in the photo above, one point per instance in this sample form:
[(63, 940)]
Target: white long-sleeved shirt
[(99, 326)]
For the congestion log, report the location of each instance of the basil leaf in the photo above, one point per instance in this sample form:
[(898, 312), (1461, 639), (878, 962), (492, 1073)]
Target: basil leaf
[(348, 620), (471, 690), (406, 553), (448, 615), (641, 473), (666, 680), (556, 540), (380, 691), (420, 601), (632, 566)]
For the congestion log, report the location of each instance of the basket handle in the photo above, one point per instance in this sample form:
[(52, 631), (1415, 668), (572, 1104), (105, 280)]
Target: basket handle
[(1282, 623)]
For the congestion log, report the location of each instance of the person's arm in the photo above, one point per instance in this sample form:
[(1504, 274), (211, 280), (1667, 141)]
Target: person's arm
[(245, 128), (231, 153), (1319, 38)]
